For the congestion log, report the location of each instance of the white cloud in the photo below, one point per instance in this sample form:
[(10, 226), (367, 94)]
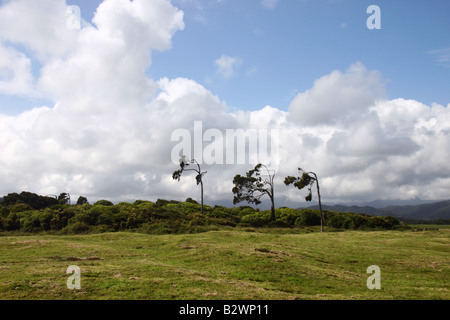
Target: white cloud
[(227, 66), (15, 72), (365, 146), (39, 25), (337, 96), (441, 57)]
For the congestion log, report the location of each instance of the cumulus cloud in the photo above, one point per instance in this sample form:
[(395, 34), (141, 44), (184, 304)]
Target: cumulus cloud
[(337, 96), (109, 133), (366, 146), (41, 26), (15, 72)]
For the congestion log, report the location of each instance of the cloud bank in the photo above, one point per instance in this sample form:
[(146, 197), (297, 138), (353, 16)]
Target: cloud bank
[(108, 134)]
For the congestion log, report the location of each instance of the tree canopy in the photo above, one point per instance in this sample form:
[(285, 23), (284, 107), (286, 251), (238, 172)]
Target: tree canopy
[(307, 179), (252, 187), (184, 164)]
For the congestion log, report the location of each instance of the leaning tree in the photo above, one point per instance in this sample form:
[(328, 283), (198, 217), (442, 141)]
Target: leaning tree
[(184, 163), (307, 179), (64, 198), (252, 187)]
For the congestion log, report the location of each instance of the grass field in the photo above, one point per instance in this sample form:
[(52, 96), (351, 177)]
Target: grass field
[(227, 264)]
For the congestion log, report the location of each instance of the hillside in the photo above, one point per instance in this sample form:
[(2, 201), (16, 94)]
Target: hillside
[(427, 211)]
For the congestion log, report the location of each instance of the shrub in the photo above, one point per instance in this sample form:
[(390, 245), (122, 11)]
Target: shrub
[(85, 217), (222, 216), (165, 213), (287, 216), (190, 200), (308, 217), (4, 212), (377, 223), (391, 221), (358, 221), (256, 219), (245, 210), (60, 218), (26, 221), (104, 203), (162, 202), (164, 227), (20, 207), (140, 203), (339, 221), (187, 207), (45, 218), (121, 206), (11, 222), (77, 228)]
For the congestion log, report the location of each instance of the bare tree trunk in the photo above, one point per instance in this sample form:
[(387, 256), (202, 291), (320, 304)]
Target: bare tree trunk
[(320, 204), (272, 208), (201, 188)]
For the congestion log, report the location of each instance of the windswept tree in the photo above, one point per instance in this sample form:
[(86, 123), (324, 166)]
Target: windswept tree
[(307, 179), (64, 198), (253, 186), (184, 163)]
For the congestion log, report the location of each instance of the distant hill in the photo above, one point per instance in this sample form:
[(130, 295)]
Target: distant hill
[(426, 211)]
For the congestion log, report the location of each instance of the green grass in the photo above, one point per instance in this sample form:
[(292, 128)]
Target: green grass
[(227, 264)]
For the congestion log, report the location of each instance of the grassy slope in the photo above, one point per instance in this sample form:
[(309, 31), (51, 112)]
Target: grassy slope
[(227, 264)]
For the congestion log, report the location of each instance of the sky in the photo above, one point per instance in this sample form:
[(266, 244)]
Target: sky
[(100, 98)]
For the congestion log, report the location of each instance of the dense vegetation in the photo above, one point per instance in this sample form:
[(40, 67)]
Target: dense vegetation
[(427, 212), (27, 214)]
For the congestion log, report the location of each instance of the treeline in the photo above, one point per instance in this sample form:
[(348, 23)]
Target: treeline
[(163, 217)]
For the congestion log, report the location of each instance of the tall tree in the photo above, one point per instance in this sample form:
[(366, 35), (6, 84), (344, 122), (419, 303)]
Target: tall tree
[(307, 179), (252, 187), (184, 163)]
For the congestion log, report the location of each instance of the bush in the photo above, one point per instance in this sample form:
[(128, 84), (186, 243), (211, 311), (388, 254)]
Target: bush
[(77, 228), (139, 203), (11, 222), (45, 218), (358, 222), (162, 202), (338, 221), (245, 210), (190, 200), (308, 217), (20, 207), (85, 217), (287, 216), (60, 218), (186, 207), (259, 219), (392, 221), (222, 216), (104, 203), (4, 212)]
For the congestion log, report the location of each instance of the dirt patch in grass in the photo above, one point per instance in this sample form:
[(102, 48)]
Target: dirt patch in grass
[(58, 258)]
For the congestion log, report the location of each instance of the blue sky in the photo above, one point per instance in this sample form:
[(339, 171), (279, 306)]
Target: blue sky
[(92, 111), (284, 49)]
